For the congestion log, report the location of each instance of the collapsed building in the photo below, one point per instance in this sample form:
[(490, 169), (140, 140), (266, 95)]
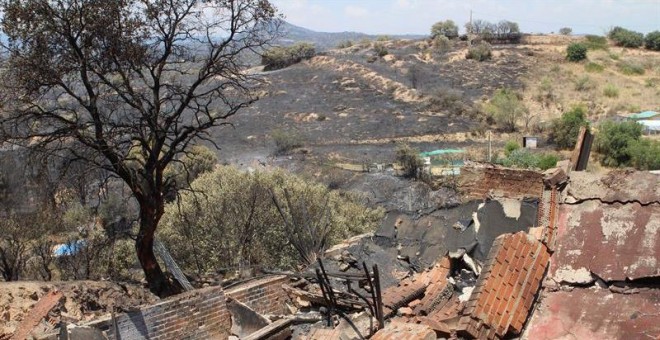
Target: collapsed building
[(526, 254)]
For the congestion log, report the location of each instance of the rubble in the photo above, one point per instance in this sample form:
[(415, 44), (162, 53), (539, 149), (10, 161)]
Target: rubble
[(474, 270)]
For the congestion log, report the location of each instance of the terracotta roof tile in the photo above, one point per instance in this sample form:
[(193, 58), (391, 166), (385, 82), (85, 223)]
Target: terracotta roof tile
[(507, 287)]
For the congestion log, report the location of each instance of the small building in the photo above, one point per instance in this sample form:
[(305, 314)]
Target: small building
[(650, 126), (530, 142)]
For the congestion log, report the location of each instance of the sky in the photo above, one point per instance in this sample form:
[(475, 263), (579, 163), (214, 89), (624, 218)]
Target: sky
[(417, 16)]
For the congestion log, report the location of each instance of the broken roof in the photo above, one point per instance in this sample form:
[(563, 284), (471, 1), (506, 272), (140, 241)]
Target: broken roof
[(507, 287), (613, 241), (596, 314)]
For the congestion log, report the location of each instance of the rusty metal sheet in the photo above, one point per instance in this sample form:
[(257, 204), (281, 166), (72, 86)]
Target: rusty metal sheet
[(617, 185), (596, 314), (613, 241)]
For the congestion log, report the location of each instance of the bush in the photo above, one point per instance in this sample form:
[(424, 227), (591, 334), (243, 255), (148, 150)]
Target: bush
[(645, 154), (236, 223), (652, 41), (380, 49), (523, 158), (576, 52), (506, 108), (286, 141), (281, 57), (480, 52), (594, 67), (614, 140), (629, 68), (510, 147), (565, 31), (444, 28), (410, 161), (583, 84), (441, 44), (595, 42), (345, 44), (611, 91), (626, 38), (564, 131)]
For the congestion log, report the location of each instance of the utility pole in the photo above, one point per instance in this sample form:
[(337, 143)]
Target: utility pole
[(490, 155), (469, 33)]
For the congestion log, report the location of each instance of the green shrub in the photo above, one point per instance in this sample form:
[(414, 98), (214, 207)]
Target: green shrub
[(614, 140), (565, 31), (506, 107), (595, 42), (614, 56), (593, 67), (611, 91), (345, 44), (626, 38), (652, 41), (233, 221), (583, 84), (510, 147), (645, 154), (576, 52), (286, 141), (410, 161), (444, 28), (281, 57), (441, 44), (523, 158), (480, 52), (564, 131), (547, 161), (629, 68), (383, 38), (380, 49)]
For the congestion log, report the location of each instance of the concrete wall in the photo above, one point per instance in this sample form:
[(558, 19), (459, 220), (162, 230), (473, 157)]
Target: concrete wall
[(198, 314), (264, 296), (477, 182)]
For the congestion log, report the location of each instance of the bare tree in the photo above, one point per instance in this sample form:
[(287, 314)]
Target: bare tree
[(134, 83)]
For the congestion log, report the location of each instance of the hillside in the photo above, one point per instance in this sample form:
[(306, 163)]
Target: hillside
[(327, 40), (350, 104)]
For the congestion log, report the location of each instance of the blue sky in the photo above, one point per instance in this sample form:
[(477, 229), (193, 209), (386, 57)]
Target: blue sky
[(417, 16)]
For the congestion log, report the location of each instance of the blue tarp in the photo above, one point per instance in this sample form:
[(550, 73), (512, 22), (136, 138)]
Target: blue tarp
[(440, 152), (68, 249), (644, 115)]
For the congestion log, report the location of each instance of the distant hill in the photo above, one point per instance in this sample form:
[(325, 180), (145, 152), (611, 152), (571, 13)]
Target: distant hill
[(328, 40)]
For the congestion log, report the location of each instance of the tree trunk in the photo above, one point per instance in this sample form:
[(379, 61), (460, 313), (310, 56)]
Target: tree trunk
[(158, 282)]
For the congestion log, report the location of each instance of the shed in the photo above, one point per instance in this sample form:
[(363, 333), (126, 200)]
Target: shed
[(530, 142)]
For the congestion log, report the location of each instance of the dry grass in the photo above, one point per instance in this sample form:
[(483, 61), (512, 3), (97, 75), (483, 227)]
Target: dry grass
[(613, 90)]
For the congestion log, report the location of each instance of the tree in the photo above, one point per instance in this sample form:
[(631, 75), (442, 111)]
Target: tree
[(506, 108), (444, 28), (565, 130), (652, 41), (613, 142), (576, 52), (565, 31), (131, 83), (626, 38)]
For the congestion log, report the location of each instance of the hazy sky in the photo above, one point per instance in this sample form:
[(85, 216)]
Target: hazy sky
[(417, 16)]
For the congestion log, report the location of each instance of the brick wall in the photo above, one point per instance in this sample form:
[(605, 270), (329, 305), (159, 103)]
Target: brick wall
[(199, 314), (477, 182), (264, 296)]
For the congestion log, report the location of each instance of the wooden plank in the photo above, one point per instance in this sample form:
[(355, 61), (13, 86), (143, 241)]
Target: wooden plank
[(38, 312)]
